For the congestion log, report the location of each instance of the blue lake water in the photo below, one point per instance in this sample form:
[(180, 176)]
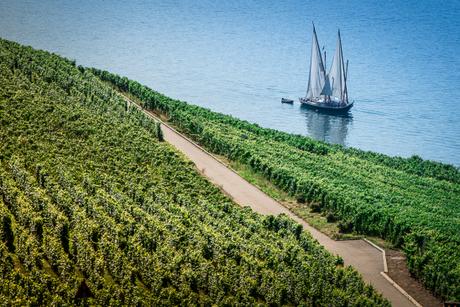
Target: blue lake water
[(240, 57)]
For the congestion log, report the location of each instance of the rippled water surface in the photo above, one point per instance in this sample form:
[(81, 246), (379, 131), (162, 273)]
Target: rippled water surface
[(240, 57)]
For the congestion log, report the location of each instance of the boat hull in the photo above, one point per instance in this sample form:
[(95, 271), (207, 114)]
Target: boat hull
[(285, 100), (326, 108)]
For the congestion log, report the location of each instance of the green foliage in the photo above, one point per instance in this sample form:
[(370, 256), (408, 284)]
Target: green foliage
[(159, 132), (100, 213), (7, 235), (391, 197)]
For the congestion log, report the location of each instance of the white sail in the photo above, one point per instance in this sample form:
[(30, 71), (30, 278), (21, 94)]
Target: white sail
[(336, 74), (318, 84), (327, 89)]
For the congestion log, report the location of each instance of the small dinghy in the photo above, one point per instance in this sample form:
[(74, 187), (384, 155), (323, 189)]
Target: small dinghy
[(286, 100), (327, 92)]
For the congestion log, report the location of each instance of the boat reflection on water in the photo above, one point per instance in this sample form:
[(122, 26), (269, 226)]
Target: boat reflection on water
[(325, 127)]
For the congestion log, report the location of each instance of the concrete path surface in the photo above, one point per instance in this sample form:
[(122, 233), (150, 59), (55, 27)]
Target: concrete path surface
[(357, 253)]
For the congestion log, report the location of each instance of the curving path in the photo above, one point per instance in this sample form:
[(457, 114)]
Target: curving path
[(357, 253)]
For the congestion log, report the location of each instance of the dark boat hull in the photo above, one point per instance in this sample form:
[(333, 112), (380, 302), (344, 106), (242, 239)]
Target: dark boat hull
[(326, 108), (285, 100)]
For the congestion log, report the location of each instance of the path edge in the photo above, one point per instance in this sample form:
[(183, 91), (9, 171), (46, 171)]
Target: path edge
[(385, 265), (388, 278), (398, 287)]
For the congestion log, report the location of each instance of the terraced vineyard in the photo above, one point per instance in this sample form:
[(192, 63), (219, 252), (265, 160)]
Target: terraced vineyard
[(413, 203), (95, 210)]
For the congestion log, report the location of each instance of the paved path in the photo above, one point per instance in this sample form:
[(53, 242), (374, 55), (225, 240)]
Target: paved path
[(357, 253)]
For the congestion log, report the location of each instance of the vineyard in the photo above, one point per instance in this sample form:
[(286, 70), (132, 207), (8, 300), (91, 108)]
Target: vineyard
[(413, 203), (96, 210)]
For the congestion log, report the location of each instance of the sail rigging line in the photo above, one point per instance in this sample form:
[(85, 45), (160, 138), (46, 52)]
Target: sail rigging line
[(327, 98), (343, 68), (346, 77), (344, 97)]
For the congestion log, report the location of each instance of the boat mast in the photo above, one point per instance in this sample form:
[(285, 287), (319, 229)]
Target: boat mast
[(326, 97), (344, 93), (345, 90)]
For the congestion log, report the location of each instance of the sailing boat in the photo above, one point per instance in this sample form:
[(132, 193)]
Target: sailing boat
[(327, 92)]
